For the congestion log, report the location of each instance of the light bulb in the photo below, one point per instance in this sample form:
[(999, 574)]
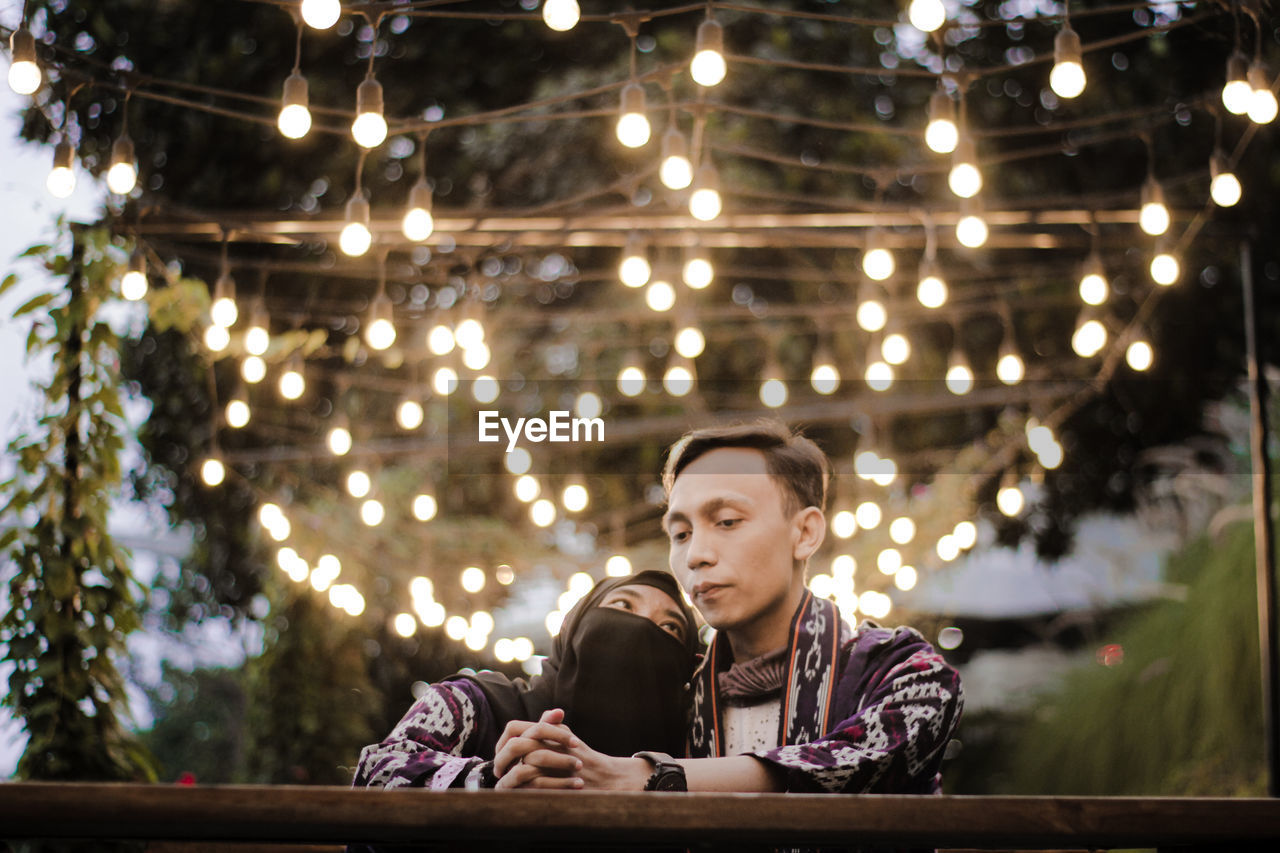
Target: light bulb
[(1093, 282), (660, 296), (1139, 355), (708, 65), (292, 382), (370, 128), (542, 512), (633, 125), (356, 238), (634, 270), (409, 414), (631, 380), (440, 340), (213, 472), (705, 203), (24, 73), (972, 231), (561, 15), (1010, 368), (1262, 101), (133, 284), (372, 512), (1224, 187), (253, 369), (965, 180), (1009, 499), (380, 333), (238, 413), (321, 14), (676, 171), (339, 440), (1154, 215), (871, 315), (678, 380), (965, 534), (1237, 93), (931, 287), (1164, 269), (122, 176), (878, 376), (959, 374), (216, 338), (877, 261), (773, 392), (698, 271), (444, 381), (1067, 78), (424, 507), (896, 348), (62, 178), (824, 378), (294, 120), (690, 342), (469, 333), (1089, 338), (359, 483), (418, 223), (927, 15), (941, 133), (588, 405), (257, 338), (527, 488), (868, 515), (844, 524), (224, 311), (485, 388)]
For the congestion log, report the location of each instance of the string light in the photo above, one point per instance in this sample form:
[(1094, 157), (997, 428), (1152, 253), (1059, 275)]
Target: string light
[(444, 381), (1094, 288), (238, 412), (561, 15), (708, 67), (1224, 186), (292, 382), (868, 515), (660, 296), (1010, 368), (902, 530), (1154, 215), (424, 507), (959, 374), (931, 287), (878, 375), (871, 314), (927, 15), (895, 348), (1237, 94), (122, 176), (698, 272), (440, 340), (971, 228), (527, 488), (223, 311), (678, 378), (575, 497), (905, 578), (404, 624), (339, 438), (418, 222), (253, 370), (634, 269), (356, 238), (1089, 337), (633, 129), (321, 14), (947, 548), (1164, 268), (372, 512), (1009, 497), (965, 179), (542, 512), (380, 333), (889, 561), (877, 261), (359, 483), (257, 338), (24, 72), (844, 524), (216, 338), (472, 579), (409, 414), (485, 389), (1067, 79), (690, 342), (294, 120), (631, 377), (676, 171), (370, 127), (212, 471), (1139, 355), (705, 203), (133, 284), (61, 182), (1262, 101), (617, 566), (773, 391), (589, 405), (966, 534), (824, 377), (941, 133)]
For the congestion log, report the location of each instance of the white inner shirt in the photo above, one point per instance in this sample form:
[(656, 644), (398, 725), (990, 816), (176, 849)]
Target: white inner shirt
[(750, 728)]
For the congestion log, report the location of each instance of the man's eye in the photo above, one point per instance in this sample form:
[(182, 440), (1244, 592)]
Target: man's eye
[(729, 522), (679, 535)]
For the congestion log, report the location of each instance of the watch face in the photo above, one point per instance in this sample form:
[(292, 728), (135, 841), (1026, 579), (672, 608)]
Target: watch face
[(671, 780)]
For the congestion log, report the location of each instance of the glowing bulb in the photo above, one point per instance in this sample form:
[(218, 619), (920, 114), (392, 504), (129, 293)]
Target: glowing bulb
[(213, 471), (1262, 101), (844, 524), (424, 507), (877, 263), (224, 311), (871, 315), (931, 287), (321, 14), (339, 441), (948, 549), (409, 414), (825, 379), (418, 222), (1010, 499), (1139, 355), (216, 338), (1093, 283), (697, 272), (660, 296), (404, 624), (370, 128), (708, 66), (294, 120), (122, 176), (469, 333), (575, 497), (678, 380), (133, 284), (705, 203), (543, 512), (889, 561), (617, 566), (358, 483), (589, 404), (964, 179), (1164, 269), (1224, 187), (941, 133), (1237, 94), (372, 512), (356, 238), (440, 340), (773, 393), (238, 413), (902, 530), (905, 578), (1154, 216), (1010, 368), (966, 534), (24, 73), (634, 270), (292, 383), (455, 627), (895, 348), (868, 515), (561, 15), (633, 125), (879, 376), (1089, 338), (472, 579), (444, 381), (676, 172), (631, 380), (926, 15), (253, 369), (526, 488), (1067, 78), (972, 231), (959, 374), (380, 333), (690, 342), (62, 178)]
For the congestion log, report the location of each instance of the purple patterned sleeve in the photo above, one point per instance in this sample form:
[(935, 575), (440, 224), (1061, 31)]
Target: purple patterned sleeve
[(435, 743), (900, 703)]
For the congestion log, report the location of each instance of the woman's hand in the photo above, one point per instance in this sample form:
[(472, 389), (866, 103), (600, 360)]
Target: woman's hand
[(537, 755)]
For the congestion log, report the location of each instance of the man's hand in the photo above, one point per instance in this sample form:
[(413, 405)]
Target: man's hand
[(537, 755)]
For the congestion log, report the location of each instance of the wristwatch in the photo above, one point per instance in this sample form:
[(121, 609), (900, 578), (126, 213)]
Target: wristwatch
[(668, 774)]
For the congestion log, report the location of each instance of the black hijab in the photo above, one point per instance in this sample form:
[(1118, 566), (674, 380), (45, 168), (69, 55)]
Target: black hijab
[(621, 680)]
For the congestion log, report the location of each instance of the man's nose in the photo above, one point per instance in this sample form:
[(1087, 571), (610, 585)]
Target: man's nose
[(700, 553)]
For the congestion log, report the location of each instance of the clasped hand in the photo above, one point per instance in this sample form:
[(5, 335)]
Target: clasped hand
[(546, 755)]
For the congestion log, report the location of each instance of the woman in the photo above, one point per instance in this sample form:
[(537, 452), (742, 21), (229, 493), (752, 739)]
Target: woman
[(619, 669)]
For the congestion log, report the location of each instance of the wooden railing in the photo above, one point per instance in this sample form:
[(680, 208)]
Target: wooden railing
[(501, 819)]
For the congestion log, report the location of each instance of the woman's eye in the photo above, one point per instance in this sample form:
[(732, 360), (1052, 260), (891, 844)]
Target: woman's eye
[(620, 603), (673, 629)]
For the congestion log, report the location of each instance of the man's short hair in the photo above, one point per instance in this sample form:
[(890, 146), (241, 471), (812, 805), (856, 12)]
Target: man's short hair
[(796, 463)]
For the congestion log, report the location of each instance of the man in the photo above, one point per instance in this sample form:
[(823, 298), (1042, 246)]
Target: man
[(788, 698)]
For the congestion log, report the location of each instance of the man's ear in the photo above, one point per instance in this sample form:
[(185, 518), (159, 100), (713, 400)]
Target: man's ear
[(811, 529)]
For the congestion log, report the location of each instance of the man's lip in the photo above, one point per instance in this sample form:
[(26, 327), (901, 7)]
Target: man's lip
[(707, 588)]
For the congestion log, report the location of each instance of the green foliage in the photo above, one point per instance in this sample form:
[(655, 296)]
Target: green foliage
[(73, 600), (200, 725), (1182, 715)]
